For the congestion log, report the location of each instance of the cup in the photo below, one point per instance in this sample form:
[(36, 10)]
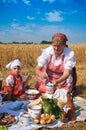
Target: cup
[(34, 110), (25, 119)]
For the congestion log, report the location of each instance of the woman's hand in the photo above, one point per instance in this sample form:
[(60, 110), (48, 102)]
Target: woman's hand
[(44, 75), (39, 71), (57, 85)]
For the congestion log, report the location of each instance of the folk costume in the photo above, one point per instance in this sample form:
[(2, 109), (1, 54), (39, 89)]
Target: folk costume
[(55, 67)]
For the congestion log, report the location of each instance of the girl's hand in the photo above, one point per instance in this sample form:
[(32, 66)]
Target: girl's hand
[(30, 77), (25, 84)]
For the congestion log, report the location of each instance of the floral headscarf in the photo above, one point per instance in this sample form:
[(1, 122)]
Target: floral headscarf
[(60, 37)]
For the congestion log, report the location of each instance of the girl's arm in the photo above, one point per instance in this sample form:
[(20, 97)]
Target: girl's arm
[(40, 73), (9, 95)]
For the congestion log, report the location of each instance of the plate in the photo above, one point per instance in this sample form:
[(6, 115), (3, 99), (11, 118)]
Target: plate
[(16, 120), (32, 94), (44, 119), (8, 125), (51, 125), (32, 91)]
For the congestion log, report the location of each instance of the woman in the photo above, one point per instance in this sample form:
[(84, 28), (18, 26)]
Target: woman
[(55, 65)]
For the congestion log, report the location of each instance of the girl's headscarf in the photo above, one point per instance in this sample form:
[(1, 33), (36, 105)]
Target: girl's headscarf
[(13, 63)]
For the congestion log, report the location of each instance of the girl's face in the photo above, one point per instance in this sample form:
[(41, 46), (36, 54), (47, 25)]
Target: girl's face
[(58, 47), (16, 70)]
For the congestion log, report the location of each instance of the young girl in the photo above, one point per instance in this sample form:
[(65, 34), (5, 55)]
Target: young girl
[(15, 82)]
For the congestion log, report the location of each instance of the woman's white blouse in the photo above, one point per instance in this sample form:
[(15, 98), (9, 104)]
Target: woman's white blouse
[(69, 58)]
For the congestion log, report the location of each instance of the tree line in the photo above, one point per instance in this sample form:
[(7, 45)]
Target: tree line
[(14, 42)]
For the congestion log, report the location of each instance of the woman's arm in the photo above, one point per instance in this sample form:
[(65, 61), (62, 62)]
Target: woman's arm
[(40, 73), (65, 75)]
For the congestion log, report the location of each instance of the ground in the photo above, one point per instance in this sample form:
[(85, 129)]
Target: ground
[(75, 126)]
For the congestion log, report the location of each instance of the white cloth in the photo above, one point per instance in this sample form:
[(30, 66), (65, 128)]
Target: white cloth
[(69, 59), (13, 63), (61, 93), (80, 116)]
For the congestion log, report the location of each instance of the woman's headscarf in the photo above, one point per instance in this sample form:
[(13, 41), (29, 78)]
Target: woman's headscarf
[(60, 37)]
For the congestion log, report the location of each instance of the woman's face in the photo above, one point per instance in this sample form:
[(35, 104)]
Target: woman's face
[(16, 70), (58, 47)]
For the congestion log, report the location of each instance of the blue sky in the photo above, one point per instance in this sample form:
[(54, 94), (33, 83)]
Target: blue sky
[(37, 20)]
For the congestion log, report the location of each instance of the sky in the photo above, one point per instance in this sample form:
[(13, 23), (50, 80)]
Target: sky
[(38, 20)]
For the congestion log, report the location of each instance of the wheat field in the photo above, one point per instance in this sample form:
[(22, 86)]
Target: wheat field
[(28, 54)]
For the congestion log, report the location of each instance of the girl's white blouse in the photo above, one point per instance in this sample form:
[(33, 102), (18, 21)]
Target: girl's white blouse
[(10, 80)]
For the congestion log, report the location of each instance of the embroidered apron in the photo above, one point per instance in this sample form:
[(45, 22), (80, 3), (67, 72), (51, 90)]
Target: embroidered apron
[(54, 72)]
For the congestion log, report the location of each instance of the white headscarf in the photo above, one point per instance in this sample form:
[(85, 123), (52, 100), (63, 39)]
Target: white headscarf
[(13, 63)]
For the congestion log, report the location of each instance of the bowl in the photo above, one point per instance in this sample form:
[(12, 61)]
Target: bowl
[(34, 110), (32, 94)]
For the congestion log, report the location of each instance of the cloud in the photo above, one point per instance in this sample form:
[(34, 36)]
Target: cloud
[(28, 33), (63, 1), (16, 32), (30, 18), (9, 1), (37, 33), (54, 16), (74, 11), (51, 1), (27, 2), (15, 20)]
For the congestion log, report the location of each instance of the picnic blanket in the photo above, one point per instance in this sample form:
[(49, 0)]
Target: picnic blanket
[(13, 107), (80, 106)]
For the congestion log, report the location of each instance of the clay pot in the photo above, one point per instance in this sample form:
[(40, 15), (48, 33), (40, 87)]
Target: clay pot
[(70, 104)]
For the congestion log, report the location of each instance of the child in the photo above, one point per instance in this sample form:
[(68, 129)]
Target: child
[(15, 82)]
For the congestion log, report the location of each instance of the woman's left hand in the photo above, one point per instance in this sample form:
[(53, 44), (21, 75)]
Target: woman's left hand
[(57, 85)]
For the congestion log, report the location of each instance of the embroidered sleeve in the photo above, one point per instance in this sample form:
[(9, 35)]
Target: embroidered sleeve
[(70, 61), (9, 81), (44, 57)]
